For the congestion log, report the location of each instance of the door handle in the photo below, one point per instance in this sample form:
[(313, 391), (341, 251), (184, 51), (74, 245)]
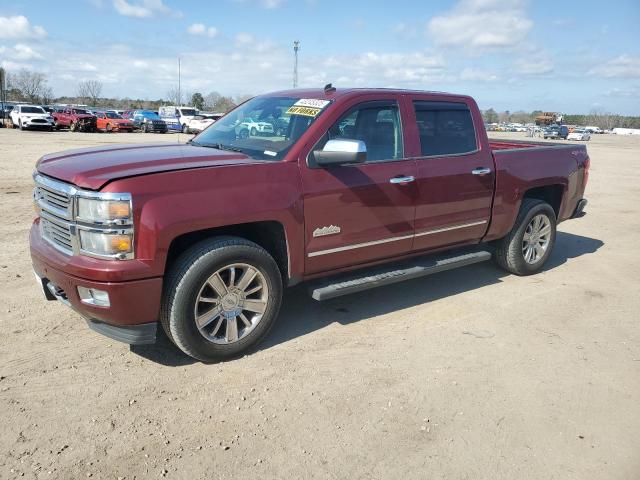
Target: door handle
[(481, 171), (402, 180)]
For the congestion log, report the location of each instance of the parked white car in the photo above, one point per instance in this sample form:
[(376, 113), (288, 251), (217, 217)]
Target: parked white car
[(183, 115), (591, 129), (250, 127), (31, 116), (202, 121), (581, 134)]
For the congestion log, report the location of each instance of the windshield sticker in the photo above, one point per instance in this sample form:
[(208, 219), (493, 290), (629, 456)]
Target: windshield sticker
[(308, 107), (270, 153)]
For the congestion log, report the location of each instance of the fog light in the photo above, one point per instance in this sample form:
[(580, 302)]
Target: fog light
[(93, 296)]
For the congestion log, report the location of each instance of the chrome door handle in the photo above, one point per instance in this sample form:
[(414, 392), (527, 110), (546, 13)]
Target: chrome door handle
[(481, 171), (402, 180)]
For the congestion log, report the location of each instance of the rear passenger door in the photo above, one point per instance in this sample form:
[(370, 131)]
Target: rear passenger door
[(455, 176)]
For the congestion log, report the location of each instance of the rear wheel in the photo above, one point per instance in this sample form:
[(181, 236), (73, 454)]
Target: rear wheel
[(528, 245), (73, 126), (221, 298), (254, 132)]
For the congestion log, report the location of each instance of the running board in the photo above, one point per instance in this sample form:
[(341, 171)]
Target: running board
[(359, 281)]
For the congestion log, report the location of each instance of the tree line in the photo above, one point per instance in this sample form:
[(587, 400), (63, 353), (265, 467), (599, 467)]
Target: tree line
[(597, 118), (29, 86)]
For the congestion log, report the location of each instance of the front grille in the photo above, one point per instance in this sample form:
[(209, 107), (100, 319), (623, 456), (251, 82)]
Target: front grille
[(38, 120), (53, 199), (57, 232)]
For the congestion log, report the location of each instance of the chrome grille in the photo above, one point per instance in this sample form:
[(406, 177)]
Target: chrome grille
[(55, 202), (56, 232)]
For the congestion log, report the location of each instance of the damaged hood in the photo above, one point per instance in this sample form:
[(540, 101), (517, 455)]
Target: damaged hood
[(92, 168)]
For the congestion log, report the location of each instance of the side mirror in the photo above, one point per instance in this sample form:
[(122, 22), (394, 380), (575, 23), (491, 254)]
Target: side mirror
[(341, 152)]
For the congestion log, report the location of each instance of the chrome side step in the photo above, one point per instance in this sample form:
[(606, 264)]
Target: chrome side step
[(359, 281)]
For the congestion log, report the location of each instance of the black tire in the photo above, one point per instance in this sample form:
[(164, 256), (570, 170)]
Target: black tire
[(20, 125), (73, 126), (244, 133), (184, 281), (254, 132), (145, 127), (185, 128), (509, 253), (109, 129)]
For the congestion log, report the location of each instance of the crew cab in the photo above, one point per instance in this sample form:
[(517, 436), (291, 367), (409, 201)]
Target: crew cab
[(112, 122), (76, 119), (365, 187), (31, 116)]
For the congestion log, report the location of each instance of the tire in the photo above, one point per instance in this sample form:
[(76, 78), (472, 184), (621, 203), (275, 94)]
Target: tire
[(72, 126), (109, 129), (50, 129), (188, 278), (254, 132), (145, 127), (244, 133), (185, 128), (20, 126), (510, 250)]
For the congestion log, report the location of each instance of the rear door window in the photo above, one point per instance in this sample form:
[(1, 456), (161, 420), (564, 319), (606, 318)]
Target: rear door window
[(445, 128)]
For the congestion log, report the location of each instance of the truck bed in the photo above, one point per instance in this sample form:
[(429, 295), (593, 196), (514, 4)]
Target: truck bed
[(498, 144)]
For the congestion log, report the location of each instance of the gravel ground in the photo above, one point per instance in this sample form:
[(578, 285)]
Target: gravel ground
[(467, 374)]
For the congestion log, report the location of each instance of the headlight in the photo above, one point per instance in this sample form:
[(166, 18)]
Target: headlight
[(107, 244), (100, 211)]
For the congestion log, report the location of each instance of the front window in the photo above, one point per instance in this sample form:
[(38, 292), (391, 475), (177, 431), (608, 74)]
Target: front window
[(79, 111), (188, 112), (263, 127), (112, 115), (32, 110)]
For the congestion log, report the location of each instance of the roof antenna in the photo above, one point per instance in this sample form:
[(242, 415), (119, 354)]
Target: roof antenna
[(328, 88)]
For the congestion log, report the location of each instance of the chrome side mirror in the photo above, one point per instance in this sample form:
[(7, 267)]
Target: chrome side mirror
[(341, 152)]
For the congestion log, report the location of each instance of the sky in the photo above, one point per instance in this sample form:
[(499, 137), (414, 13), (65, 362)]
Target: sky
[(568, 56)]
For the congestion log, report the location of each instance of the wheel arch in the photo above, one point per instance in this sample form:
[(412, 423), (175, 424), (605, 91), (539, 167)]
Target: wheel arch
[(551, 194), (269, 234)]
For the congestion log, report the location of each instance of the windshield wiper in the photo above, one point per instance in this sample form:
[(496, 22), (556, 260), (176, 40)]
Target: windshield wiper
[(220, 146)]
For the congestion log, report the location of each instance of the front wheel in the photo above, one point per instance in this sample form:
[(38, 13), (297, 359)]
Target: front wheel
[(185, 128), (73, 127), (221, 298), (528, 245)]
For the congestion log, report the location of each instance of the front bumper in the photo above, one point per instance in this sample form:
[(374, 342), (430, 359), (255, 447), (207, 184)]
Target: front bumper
[(32, 123), (134, 305)]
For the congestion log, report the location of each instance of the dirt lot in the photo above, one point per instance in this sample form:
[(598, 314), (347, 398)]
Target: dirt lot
[(468, 374)]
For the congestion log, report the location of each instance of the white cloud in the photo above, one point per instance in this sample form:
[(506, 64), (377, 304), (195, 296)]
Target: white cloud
[(20, 51), (481, 24), (268, 4), (201, 29), (534, 64), (19, 27), (622, 66), (143, 8), (478, 75), (630, 92), (244, 39)]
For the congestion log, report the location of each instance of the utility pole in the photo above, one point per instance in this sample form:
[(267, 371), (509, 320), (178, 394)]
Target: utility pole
[(296, 47), (179, 91)]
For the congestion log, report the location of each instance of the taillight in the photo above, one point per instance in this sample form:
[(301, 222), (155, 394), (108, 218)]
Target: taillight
[(587, 164)]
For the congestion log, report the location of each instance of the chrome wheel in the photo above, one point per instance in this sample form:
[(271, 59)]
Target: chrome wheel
[(231, 303), (536, 239)]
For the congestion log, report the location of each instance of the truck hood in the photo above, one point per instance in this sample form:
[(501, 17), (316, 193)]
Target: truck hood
[(92, 168)]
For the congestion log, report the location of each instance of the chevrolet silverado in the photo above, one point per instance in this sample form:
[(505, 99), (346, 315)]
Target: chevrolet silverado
[(363, 188)]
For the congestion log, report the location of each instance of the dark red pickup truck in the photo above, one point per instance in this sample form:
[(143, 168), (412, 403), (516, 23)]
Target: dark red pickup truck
[(76, 119), (357, 187)]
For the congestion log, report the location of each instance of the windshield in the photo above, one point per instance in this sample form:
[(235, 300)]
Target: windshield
[(186, 112), (264, 127), (32, 110), (113, 115), (79, 111)]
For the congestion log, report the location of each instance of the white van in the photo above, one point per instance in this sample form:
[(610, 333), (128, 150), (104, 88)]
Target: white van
[(183, 114)]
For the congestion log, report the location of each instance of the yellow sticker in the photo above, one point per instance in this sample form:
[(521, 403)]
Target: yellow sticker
[(306, 111)]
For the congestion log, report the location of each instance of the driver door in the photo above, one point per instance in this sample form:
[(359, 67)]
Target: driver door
[(359, 213)]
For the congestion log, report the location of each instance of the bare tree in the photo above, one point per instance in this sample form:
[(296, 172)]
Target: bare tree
[(89, 90), (47, 95), (211, 99), (30, 84), (173, 96)]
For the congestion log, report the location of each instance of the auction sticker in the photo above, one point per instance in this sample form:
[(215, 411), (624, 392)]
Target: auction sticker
[(308, 107)]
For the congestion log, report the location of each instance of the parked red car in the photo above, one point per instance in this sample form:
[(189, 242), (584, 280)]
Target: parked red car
[(76, 119), (202, 237), (112, 122)]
